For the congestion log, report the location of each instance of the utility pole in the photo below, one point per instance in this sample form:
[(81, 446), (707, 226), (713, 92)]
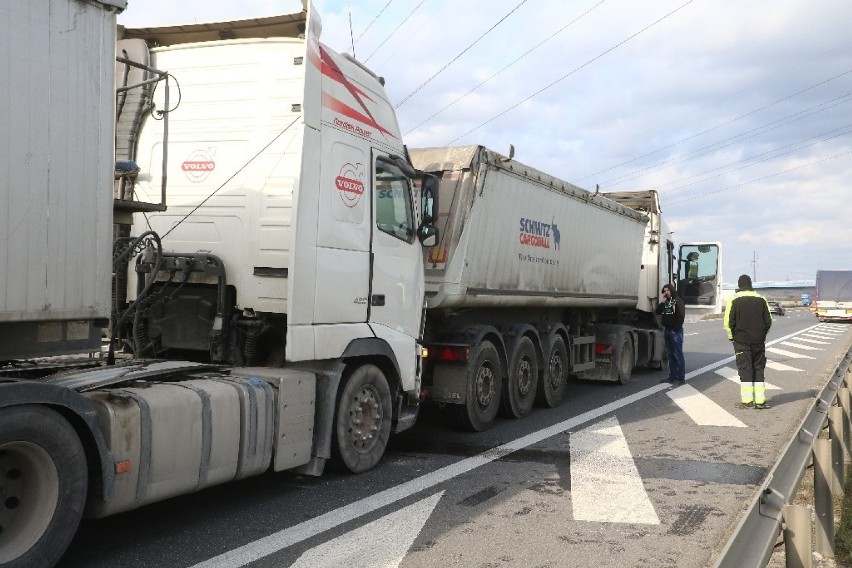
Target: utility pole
[(754, 267)]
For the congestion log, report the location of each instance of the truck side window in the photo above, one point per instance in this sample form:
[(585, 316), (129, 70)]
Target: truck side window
[(393, 202)]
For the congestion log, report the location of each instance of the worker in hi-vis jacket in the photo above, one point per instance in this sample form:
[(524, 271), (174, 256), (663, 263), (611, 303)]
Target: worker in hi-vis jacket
[(747, 321)]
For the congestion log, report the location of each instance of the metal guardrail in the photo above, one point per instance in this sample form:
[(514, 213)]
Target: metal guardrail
[(754, 538)]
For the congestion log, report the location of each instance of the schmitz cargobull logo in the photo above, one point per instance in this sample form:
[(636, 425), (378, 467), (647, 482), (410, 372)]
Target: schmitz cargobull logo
[(539, 234), (199, 164)]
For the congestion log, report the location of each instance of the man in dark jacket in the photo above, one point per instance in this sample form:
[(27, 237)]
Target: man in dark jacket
[(673, 310), (747, 321)]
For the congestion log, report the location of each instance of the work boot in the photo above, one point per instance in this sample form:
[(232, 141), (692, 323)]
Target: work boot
[(749, 404), (761, 406)]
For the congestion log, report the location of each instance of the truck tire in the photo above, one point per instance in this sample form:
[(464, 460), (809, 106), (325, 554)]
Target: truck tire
[(520, 388), (482, 399), (623, 361), (362, 420), (554, 379), (43, 485)]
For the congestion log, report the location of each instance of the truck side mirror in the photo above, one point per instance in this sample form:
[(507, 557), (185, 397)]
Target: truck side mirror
[(429, 199), (428, 235)]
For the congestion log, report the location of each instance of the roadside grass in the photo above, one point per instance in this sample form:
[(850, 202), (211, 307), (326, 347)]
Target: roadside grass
[(843, 531), (842, 524)]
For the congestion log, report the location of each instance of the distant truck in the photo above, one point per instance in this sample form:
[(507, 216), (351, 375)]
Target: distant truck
[(833, 295), (805, 300)]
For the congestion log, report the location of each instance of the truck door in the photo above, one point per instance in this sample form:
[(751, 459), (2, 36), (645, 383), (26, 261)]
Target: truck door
[(700, 278), (397, 286)]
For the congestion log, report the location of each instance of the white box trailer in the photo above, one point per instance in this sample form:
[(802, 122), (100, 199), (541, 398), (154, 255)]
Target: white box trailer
[(56, 144), (833, 295), (533, 279)]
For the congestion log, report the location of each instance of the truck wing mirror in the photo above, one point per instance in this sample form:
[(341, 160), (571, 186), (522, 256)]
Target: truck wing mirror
[(429, 198), (428, 235)]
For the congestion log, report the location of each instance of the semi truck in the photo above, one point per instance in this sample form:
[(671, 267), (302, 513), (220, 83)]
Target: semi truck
[(833, 295), (220, 259)]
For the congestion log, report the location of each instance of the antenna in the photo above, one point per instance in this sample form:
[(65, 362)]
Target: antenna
[(351, 36)]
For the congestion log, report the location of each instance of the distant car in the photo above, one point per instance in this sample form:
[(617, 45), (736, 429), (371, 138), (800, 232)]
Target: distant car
[(776, 308)]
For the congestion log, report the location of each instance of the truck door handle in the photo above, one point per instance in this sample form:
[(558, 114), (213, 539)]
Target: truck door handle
[(377, 300)]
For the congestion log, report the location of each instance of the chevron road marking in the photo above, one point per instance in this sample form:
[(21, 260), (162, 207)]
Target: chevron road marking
[(605, 484), (776, 366), (805, 340), (383, 542), (733, 376), (800, 346), (787, 353), (701, 409)]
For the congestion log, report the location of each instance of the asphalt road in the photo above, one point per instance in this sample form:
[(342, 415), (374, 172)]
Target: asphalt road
[(620, 475)]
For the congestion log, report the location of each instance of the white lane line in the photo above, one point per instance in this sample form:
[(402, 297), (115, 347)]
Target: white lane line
[(801, 346), (383, 542), (803, 339), (701, 409), (605, 484), (734, 377), (280, 540), (783, 353), (776, 366)]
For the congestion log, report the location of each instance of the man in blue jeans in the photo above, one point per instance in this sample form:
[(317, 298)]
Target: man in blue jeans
[(672, 309)]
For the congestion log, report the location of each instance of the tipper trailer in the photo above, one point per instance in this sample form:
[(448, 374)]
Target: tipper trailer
[(535, 279), (268, 312)]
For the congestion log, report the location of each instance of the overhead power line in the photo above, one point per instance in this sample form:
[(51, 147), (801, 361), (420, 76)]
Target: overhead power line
[(753, 161), (704, 150), (372, 22), (562, 78), (454, 59), (742, 116), (394, 30), (553, 35), (788, 170)]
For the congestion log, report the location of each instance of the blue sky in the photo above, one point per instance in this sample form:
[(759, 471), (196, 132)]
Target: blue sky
[(737, 112)]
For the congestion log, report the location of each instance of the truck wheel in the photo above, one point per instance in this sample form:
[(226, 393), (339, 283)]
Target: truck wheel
[(554, 379), (624, 362), (362, 421), (43, 484), (519, 391), (482, 398)]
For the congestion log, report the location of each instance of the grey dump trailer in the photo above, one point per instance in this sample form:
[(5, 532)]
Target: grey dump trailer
[(535, 279)]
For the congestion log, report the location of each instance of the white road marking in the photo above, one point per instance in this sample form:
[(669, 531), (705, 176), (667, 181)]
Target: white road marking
[(733, 376), (803, 339), (605, 484), (776, 366), (383, 542), (787, 353), (701, 409), (284, 538), (800, 346), (819, 335)]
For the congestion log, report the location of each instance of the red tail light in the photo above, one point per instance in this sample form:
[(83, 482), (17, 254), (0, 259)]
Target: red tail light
[(452, 353), (603, 349)]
